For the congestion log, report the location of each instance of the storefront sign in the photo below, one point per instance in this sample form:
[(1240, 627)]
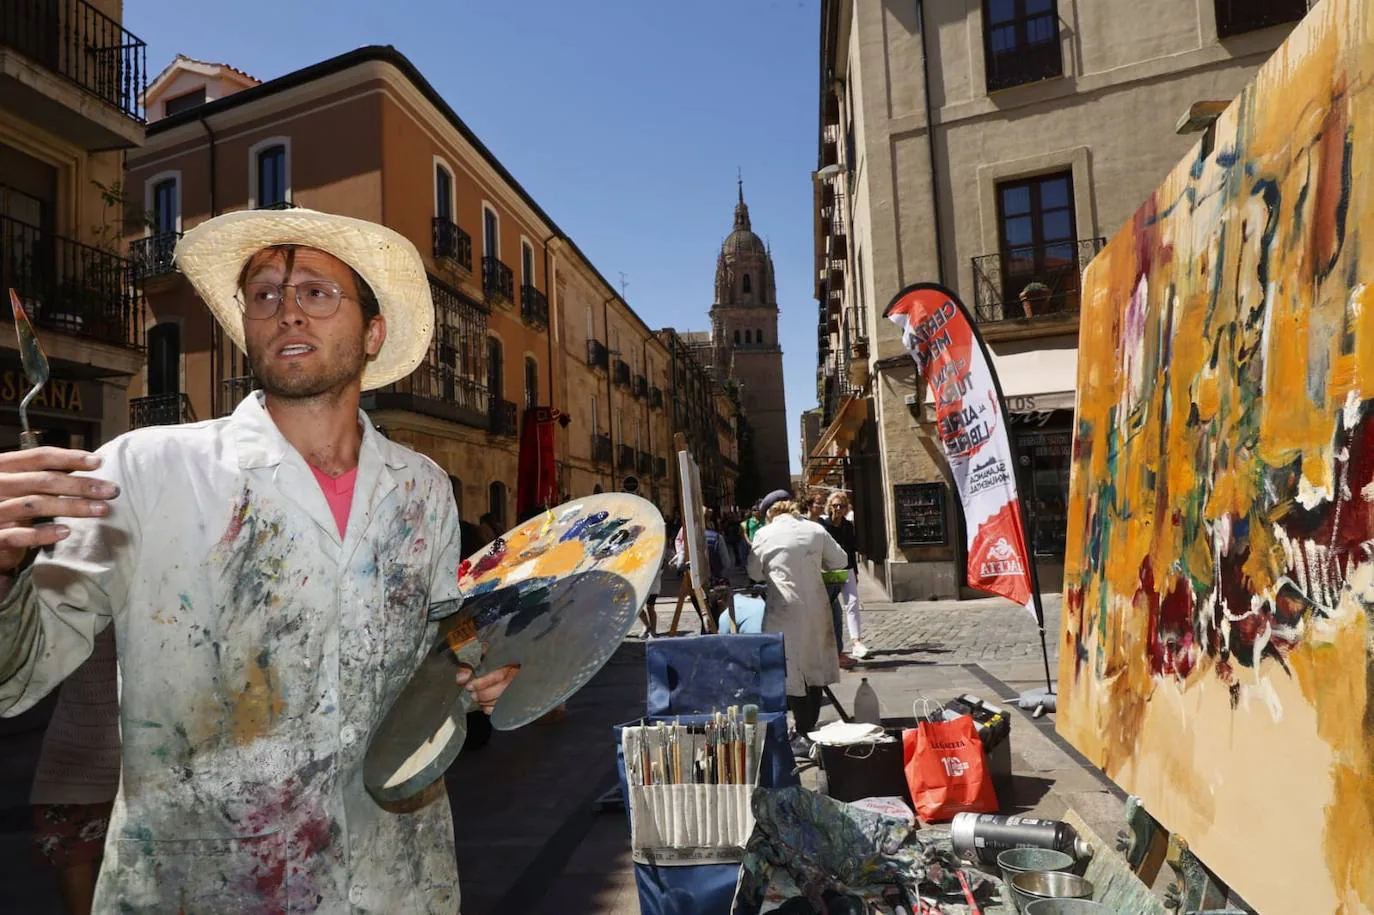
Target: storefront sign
[(60, 395), (920, 514), (971, 424)]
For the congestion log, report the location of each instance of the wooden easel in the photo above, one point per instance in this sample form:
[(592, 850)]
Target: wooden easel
[(690, 507)]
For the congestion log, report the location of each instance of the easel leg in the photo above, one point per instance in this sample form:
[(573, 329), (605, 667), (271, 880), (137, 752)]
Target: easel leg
[(677, 611), (1143, 842), (830, 697)]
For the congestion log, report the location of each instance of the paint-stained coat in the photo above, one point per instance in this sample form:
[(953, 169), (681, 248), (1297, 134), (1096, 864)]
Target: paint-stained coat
[(258, 652), (791, 553)]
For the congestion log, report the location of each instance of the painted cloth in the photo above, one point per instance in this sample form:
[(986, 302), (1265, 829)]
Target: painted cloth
[(805, 846), (790, 553), (338, 492), (258, 652), (68, 834)]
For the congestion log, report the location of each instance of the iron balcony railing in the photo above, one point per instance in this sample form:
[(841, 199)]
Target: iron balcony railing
[(1235, 17), (1022, 49), (655, 397), (622, 373), (70, 287), (601, 448), (497, 280), (152, 256), (644, 463), (504, 419), (1032, 281), (452, 244), (75, 40), (660, 467), (235, 389), (160, 410), (640, 386), (597, 355), (534, 306), (627, 458)]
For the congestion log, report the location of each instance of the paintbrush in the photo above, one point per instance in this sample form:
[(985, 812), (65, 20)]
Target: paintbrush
[(751, 764)]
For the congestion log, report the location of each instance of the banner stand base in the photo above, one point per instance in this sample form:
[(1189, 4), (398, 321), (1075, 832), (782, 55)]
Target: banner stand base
[(1042, 699)]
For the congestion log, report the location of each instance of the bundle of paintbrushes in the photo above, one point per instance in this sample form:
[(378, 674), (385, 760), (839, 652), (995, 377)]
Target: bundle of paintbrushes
[(723, 750)]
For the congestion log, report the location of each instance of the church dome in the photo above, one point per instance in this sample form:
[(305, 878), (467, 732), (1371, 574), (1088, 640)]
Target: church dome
[(744, 270)]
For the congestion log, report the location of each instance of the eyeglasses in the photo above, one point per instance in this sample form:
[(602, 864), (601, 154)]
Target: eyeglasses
[(317, 298)]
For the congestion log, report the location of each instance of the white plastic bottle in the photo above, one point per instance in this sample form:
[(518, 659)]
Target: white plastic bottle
[(866, 708)]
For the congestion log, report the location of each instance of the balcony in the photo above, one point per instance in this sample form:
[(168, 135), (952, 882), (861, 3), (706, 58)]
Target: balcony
[(627, 458), (597, 355), (151, 257), (71, 288), (233, 390), (601, 448), (1022, 49), (160, 410), (660, 468), (1236, 17), (656, 397), (644, 463), (640, 387), (503, 419), (621, 375), (1048, 275), (534, 306), (74, 70), (452, 245), (450, 383), (497, 281)]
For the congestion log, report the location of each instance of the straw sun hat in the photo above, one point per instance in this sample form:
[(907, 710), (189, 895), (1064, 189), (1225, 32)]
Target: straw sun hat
[(213, 254)]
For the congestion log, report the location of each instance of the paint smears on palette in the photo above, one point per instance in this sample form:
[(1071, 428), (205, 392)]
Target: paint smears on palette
[(555, 595)]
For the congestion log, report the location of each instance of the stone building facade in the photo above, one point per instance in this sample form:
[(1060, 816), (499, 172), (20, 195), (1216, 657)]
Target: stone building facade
[(991, 147)]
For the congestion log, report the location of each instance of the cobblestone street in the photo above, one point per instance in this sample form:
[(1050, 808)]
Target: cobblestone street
[(958, 632)]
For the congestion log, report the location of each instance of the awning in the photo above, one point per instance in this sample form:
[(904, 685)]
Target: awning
[(1032, 382), (835, 440)]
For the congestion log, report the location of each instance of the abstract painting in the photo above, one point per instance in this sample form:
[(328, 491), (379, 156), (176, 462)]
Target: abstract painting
[(1219, 584)]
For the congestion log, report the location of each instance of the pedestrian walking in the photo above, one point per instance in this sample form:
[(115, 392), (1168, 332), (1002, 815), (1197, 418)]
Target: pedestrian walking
[(272, 578), (790, 553), (839, 524)]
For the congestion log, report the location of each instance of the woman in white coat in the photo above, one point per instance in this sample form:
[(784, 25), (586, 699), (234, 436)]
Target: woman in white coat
[(790, 553)]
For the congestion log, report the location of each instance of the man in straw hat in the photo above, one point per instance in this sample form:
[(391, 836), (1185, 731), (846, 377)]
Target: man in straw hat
[(269, 576)]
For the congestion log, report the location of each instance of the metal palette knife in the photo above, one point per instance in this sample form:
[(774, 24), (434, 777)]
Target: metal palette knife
[(35, 368)]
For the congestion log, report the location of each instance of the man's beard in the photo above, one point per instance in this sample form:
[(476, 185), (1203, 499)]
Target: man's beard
[(332, 376)]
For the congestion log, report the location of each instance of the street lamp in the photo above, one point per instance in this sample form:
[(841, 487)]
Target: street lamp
[(830, 171)]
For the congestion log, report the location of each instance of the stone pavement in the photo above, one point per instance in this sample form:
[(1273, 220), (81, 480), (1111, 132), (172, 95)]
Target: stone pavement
[(529, 835)]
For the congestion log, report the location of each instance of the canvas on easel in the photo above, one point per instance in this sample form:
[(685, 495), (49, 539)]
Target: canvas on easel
[(698, 578)]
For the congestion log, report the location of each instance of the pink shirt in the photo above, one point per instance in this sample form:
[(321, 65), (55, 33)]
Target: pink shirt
[(338, 492)]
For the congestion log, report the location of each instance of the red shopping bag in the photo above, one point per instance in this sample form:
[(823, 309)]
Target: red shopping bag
[(946, 769)]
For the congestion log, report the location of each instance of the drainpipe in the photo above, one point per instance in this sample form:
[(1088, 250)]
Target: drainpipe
[(930, 146)]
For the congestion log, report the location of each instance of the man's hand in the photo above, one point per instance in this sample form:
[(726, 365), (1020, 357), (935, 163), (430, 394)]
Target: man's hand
[(487, 688), (38, 483)]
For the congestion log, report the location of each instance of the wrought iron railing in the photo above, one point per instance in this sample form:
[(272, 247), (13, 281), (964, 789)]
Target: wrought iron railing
[(77, 41), (498, 282), (655, 397), (160, 410), (601, 448), (1235, 17), (70, 287), (1031, 281), (597, 354), (278, 205), (452, 244), (640, 386), (152, 256), (660, 467), (504, 420), (235, 389), (644, 463), (621, 375), (627, 458), (534, 306)]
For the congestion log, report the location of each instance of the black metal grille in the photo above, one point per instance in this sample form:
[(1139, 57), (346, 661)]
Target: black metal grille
[(627, 458), (534, 306), (601, 448), (597, 354), (644, 463), (622, 373), (77, 41), (452, 244), (160, 410), (235, 389), (1055, 269), (152, 256), (497, 280), (655, 397), (70, 287), (504, 419), (660, 467)]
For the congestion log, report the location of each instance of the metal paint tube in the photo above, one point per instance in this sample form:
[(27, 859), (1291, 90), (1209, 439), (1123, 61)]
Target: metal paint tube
[(983, 836)]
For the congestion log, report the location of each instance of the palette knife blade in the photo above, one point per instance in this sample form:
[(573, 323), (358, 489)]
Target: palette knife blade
[(35, 367)]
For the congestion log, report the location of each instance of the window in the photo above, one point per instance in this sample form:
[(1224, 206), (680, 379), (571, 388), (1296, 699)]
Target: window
[(531, 383), (1235, 17), (166, 207), (736, 338), (591, 324), (1043, 480), (495, 369), (164, 358), (1037, 243), (496, 500), (758, 336), (748, 338), (491, 246), (527, 264), (443, 193), (184, 102), (272, 184), (1021, 42), (746, 287)]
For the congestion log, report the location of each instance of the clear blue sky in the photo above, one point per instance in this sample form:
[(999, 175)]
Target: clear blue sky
[(625, 119)]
